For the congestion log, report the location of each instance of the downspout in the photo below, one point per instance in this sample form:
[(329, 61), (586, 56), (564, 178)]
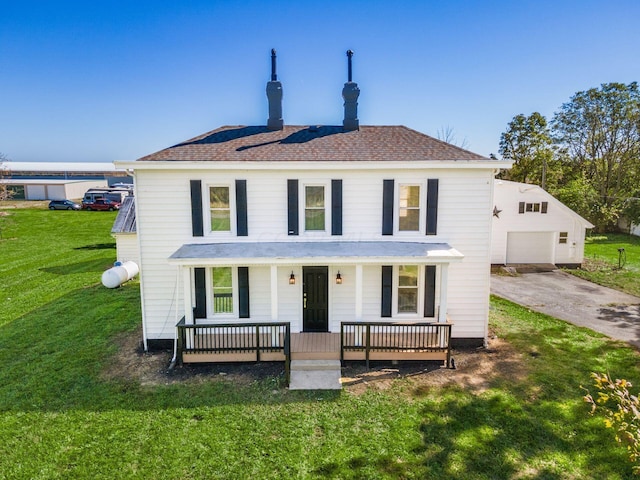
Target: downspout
[(174, 359), (145, 343)]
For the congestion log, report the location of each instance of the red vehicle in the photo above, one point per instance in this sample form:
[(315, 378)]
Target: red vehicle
[(101, 204)]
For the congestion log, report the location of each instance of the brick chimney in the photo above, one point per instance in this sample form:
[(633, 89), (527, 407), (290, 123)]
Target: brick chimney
[(274, 95), (350, 94)]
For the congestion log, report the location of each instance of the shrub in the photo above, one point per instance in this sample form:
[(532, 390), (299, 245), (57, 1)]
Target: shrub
[(621, 412)]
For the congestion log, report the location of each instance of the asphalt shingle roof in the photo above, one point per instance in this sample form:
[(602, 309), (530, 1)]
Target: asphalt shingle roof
[(308, 144)]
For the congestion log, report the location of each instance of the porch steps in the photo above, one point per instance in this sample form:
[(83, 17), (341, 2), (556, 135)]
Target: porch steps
[(315, 375)]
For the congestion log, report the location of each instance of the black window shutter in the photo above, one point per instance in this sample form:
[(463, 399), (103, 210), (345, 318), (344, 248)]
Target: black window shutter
[(197, 222), (336, 207), (545, 206), (432, 206), (200, 285), (387, 207), (292, 202), (521, 207), (241, 208), (243, 292), (387, 290), (430, 291)]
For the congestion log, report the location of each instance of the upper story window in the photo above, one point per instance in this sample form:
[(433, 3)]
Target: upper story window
[(222, 281), (408, 289), (220, 206), (409, 208), (314, 208), (533, 207)]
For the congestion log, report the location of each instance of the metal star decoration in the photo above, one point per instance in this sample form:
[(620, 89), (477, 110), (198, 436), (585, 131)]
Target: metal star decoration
[(496, 212)]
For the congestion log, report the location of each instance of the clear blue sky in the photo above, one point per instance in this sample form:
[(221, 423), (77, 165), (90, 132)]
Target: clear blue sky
[(109, 80)]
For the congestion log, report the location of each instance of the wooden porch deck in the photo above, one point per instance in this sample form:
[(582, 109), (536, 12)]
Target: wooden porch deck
[(264, 342), (315, 346), (304, 346)]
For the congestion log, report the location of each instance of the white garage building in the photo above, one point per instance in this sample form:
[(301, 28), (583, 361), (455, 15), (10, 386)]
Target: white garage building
[(59, 180), (531, 226)]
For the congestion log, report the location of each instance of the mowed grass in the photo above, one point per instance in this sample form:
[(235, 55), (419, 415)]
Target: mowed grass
[(45, 255), (602, 262), (61, 418)]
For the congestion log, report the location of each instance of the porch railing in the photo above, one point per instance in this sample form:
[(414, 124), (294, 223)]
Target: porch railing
[(389, 341), (260, 340)]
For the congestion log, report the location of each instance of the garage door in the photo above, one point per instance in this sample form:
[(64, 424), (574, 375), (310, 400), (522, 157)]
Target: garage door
[(36, 192), (55, 192), (530, 247)]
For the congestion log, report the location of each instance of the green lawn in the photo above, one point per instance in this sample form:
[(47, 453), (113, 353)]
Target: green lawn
[(602, 261), (60, 418)]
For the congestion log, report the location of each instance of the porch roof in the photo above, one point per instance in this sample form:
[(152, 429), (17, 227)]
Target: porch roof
[(325, 253)]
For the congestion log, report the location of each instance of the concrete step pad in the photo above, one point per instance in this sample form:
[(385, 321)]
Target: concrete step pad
[(315, 375)]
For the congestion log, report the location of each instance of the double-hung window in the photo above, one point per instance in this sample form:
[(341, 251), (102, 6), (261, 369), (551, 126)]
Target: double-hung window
[(408, 288), (220, 207), (222, 283), (314, 208), (409, 208)]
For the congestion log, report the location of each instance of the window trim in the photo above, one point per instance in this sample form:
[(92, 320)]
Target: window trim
[(232, 210), (419, 291), (302, 207), (234, 292), (533, 207), (422, 207)]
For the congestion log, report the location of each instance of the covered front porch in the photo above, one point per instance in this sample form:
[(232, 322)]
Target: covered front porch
[(315, 301)]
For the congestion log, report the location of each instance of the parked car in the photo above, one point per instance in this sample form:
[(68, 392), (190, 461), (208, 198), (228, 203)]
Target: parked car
[(64, 205), (101, 204)]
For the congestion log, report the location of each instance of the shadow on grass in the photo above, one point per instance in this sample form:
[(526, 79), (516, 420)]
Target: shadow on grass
[(53, 359), (97, 265), (98, 246), (494, 435)]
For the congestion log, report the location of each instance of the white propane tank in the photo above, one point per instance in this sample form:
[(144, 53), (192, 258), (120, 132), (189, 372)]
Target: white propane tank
[(116, 276)]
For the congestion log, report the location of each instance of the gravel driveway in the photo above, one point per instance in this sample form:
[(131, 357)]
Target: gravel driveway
[(575, 300)]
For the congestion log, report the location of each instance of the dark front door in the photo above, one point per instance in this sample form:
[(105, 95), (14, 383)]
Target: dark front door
[(315, 306)]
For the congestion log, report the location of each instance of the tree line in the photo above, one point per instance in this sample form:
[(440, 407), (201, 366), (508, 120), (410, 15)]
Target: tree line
[(587, 156)]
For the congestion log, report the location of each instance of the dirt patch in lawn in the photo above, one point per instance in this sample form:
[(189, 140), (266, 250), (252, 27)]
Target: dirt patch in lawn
[(131, 363), (475, 369)]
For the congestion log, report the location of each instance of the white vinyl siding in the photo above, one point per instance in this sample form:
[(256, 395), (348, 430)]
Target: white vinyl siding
[(127, 247), (464, 217)]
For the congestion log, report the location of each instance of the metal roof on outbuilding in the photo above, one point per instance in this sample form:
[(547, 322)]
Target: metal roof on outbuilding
[(125, 221)]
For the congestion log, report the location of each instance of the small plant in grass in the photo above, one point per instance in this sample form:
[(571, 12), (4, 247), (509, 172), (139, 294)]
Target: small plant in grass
[(621, 412)]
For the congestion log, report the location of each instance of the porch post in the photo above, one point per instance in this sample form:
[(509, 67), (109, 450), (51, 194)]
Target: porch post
[(188, 304), (274, 293), (358, 292), (444, 283)]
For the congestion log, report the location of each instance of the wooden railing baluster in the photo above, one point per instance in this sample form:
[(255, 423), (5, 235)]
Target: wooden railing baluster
[(396, 338)]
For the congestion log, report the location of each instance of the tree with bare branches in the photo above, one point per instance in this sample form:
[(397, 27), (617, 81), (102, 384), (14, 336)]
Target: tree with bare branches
[(5, 192), (447, 134)]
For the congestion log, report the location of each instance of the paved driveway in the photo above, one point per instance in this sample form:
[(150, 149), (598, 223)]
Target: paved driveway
[(575, 300)]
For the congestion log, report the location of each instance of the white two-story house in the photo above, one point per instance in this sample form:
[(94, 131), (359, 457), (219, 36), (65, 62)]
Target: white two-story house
[(314, 226)]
